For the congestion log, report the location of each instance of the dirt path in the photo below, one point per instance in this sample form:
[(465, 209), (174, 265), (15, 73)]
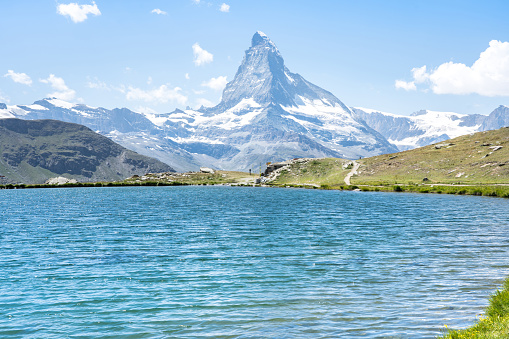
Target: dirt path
[(356, 166)]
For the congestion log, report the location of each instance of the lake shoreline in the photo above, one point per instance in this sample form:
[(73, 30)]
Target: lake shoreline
[(488, 190)]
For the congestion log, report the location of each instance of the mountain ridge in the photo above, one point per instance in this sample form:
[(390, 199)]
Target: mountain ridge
[(266, 114), (32, 151), (425, 127)]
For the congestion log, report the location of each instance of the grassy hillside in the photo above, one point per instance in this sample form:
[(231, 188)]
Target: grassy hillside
[(325, 171), (480, 158), (194, 178), (31, 151)]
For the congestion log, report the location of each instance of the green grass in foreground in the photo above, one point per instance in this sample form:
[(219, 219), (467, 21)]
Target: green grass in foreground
[(494, 324), (484, 190)]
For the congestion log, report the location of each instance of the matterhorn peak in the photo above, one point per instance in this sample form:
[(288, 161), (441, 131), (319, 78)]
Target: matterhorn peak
[(263, 77), (260, 39)]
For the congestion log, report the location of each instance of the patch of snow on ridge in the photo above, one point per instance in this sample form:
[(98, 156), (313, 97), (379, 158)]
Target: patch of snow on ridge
[(156, 119), (61, 103), (290, 79), (244, 104), (37, 107), (227, 120), (82, 113), (438, 123), (318, 108), (195, 139), (371, 111), (325, 117), (6, 114), (263, 35), (17, 111)]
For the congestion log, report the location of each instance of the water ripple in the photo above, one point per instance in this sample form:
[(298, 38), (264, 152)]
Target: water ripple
[(190, 262)]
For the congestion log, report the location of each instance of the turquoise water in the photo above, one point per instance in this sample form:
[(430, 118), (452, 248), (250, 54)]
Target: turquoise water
[(191, 262)]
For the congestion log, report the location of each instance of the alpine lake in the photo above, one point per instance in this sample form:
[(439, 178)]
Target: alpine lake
[(241, 262)]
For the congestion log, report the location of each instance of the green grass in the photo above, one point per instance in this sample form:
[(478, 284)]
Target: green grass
[(193, 178), (317, 172), (158, 179), (494, 324), (487, 191), (464, 160)]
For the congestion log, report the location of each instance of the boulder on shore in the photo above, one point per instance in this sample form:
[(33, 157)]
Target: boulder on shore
[(207, 170), (60, 181)]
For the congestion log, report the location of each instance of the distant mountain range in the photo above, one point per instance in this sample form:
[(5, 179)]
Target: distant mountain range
[(267, 113), (32, 151), (427, 127)]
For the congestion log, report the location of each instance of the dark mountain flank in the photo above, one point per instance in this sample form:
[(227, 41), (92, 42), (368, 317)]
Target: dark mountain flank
[(32, 151)]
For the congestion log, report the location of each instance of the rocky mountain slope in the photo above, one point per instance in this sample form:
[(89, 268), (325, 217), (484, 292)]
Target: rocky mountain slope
[(32, 151), (267, 113), (480, 158), (426, 127)]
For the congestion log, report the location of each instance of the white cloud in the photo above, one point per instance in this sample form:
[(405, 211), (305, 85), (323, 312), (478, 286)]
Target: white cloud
[(163, 94), (20, 78), (201, 56), (158, 11), (204, 102), (145, 110), (224, 8), (78, 13), (420, 75), (96, 84), (407, 86), (3, 98), (187, 76), (149, 81), (216, 83), (196, 1), (58, 84), (101, 85), (488, 76)]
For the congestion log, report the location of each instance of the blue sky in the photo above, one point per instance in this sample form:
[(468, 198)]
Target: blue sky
[(156, 56)]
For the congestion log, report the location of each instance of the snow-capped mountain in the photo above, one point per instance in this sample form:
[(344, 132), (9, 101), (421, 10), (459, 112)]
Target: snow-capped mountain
[(267, 113), (426, 127)]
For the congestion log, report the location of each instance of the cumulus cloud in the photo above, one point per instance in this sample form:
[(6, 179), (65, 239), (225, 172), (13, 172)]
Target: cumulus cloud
[(78, 13), (224, 8), (145, 110), (488, 76), (97, 84), (61, 90), (201, 56), (216, 84), (101, 85), (420, 75), (187, 76), (20, 78), (3, 98), (204, 102), (158, 11), (162, 94), (407, 86)]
